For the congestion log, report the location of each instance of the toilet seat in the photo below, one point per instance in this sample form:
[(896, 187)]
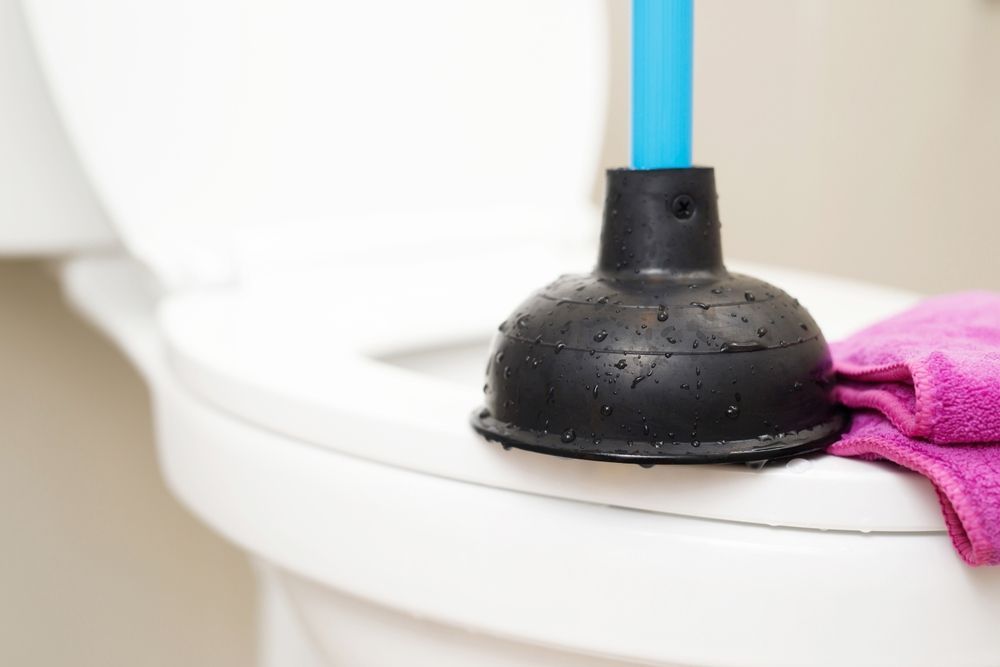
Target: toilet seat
[(301, 357)]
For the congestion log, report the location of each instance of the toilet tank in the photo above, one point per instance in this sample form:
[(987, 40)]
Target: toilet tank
[(199, 122), (46, 204)]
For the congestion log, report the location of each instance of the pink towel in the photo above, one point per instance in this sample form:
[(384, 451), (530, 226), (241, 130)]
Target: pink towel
[(932, 374), (933, 370)]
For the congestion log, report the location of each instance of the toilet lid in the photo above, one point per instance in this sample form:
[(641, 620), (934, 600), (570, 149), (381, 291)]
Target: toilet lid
[(229, 135), (387, 371)]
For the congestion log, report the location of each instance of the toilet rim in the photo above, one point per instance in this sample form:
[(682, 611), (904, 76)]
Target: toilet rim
[(254, 352)]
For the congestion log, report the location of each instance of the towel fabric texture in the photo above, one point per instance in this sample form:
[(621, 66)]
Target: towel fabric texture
[(925, 387)]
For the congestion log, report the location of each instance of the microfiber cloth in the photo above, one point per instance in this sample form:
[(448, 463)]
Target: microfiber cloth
[(933, 370), (926, 386)]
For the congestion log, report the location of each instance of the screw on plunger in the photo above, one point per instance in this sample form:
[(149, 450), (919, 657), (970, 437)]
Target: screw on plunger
[(682, 207)]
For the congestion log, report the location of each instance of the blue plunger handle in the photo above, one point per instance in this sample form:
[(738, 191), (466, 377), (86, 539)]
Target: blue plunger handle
[(662, 42)]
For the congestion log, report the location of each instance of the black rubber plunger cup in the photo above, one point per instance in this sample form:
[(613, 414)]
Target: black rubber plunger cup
[(660, 355)]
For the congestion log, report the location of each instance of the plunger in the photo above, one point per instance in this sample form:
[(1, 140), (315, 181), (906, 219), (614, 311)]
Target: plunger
[(660, 355)]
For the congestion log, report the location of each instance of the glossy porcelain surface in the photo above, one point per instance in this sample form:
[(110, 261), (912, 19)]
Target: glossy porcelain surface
[(396, 519)]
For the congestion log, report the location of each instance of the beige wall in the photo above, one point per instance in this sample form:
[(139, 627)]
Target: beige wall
[(101, 567), (854, 137)]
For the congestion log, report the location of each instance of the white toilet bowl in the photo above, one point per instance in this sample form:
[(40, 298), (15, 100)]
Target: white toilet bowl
[(390, 533), (311, 388)]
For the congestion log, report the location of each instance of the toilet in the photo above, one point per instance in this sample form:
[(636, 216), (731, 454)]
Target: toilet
[(272, 200)]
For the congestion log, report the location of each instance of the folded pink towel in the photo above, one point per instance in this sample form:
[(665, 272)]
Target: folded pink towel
[(933, 370), (932, 374)]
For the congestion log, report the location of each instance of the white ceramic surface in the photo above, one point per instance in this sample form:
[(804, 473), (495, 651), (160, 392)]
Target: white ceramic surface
[(205, 125), (361, 358), (46, 205), (385, 547)]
